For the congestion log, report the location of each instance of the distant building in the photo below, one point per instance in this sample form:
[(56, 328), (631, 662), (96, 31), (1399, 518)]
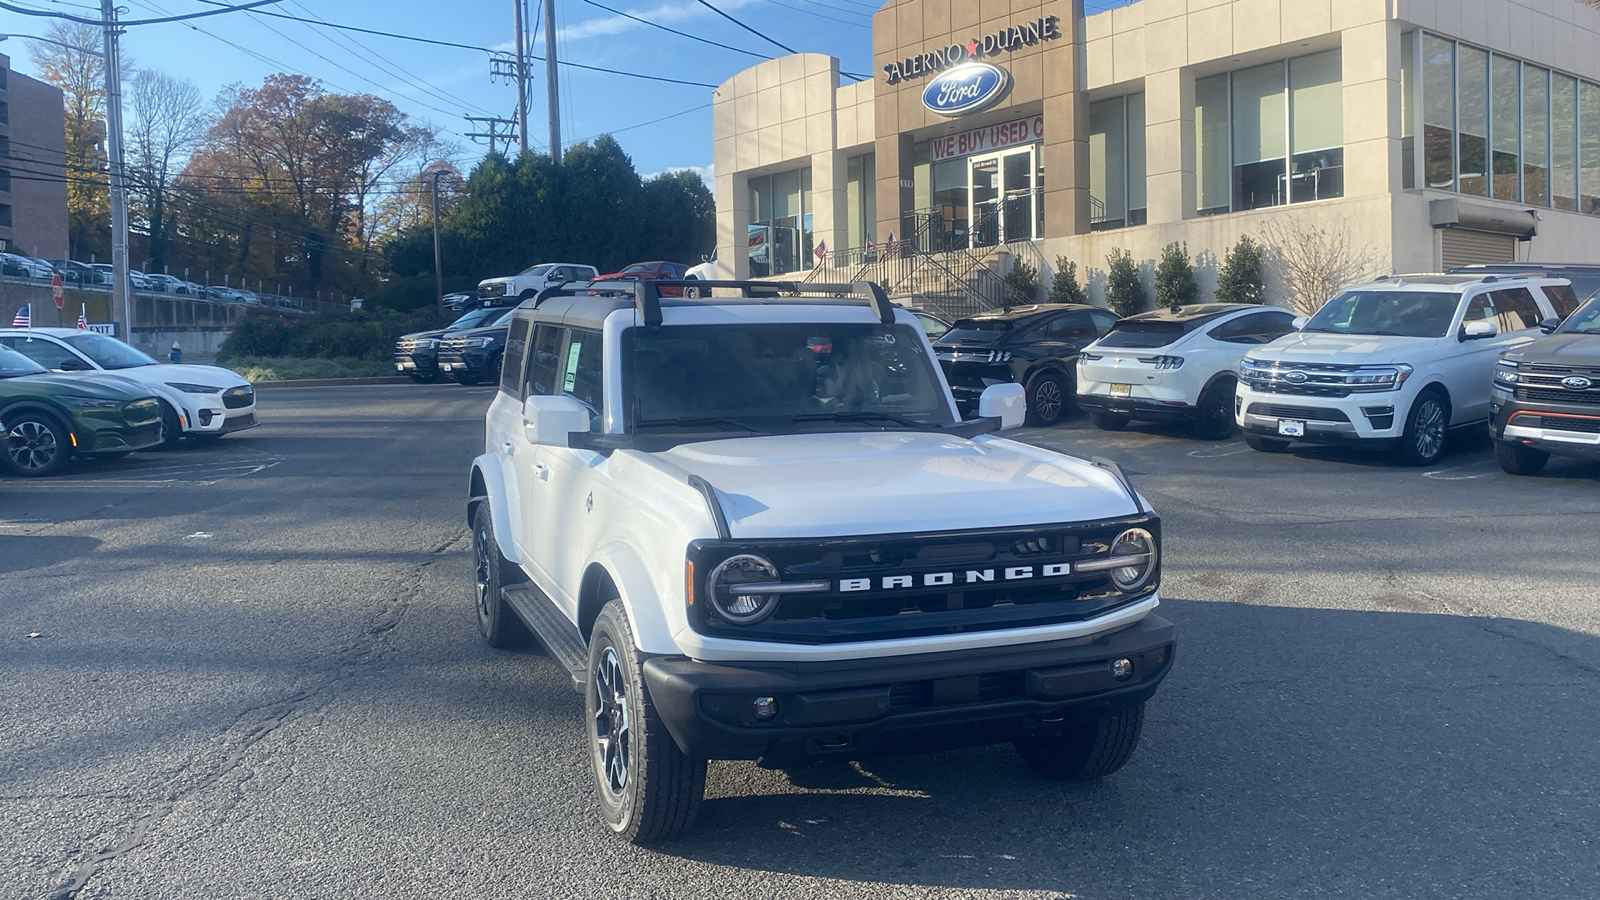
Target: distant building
[(33, 151)]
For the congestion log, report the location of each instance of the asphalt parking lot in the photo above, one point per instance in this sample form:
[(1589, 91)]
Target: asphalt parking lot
[(250, 669)]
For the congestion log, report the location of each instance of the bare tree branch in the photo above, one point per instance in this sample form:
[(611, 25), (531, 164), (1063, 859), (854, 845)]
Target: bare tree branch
[(1314, 262)]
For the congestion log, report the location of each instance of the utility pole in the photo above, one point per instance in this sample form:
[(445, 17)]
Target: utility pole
[(121, 289), (438, 270), (495, 129), (551, 76), (522, 79)]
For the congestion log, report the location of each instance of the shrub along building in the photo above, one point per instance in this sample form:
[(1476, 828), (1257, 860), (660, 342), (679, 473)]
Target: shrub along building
[(1430, 133)]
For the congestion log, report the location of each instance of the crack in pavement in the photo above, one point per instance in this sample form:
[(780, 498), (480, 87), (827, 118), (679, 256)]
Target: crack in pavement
[(339, 665)]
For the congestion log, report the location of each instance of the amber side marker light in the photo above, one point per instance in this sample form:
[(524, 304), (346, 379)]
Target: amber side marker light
[(688, 582)]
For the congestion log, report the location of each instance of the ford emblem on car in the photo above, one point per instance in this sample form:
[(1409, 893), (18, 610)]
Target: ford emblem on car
[(1296, 377), (1576, 383), (967, 88)]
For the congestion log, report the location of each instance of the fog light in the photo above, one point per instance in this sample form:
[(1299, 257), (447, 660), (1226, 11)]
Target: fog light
[(765, 708), (1122, 669), (205, 416)]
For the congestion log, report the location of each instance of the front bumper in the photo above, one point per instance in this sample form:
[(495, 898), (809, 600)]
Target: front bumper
[(1372, 419), (859, 708), (422, 362), (1562, 428), (474, 362), (106, 438)]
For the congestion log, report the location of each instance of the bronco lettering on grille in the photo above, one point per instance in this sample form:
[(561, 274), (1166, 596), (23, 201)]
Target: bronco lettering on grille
[(950, 579)]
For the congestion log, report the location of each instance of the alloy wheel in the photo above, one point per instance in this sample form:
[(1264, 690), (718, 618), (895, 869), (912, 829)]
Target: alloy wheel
[(611, 725), (1430, 428), (480, 552), (1048, 395), (31, 445)]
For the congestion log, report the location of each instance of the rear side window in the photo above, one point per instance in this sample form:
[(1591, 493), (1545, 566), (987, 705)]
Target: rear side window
[(1072, 327), (516, 352), (1515, 310), (579, 372), (1138, 335), (46, 353), (542, 359), (977, 331), (1255, 328), (1562, 298)]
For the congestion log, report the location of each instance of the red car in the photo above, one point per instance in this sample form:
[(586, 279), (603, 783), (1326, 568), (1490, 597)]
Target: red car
[(658, 270)]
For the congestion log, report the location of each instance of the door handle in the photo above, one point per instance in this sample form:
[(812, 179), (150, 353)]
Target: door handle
[(540, 472), (507, 449)]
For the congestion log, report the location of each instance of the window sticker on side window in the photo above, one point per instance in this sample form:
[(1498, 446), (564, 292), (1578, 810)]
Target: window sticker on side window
[(571, 378)]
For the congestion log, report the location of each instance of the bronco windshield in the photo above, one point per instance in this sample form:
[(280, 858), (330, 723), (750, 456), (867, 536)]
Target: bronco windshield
[(1585, 321), (783, 377), (1422, 314), (108, 352)]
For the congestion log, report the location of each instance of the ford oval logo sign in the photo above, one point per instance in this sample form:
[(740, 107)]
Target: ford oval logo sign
[(967, 88), (1297, 378), (1576, 383)]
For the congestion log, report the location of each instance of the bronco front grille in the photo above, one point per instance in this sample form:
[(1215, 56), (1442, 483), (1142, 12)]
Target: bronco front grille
[(913, 609)]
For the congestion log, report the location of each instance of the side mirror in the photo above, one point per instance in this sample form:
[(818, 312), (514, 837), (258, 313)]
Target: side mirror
[(1478, 330), (552, 420), (73, 364), (1549, 326), (1006, 402), (1300, 322)]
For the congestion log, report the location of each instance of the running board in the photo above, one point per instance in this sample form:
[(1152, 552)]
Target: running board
[(559, 636)]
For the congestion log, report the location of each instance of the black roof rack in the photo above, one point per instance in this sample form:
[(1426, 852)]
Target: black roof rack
[(647, 294), (560, 289)]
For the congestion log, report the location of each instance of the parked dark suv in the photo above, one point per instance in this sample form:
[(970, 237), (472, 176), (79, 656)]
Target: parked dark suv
[(417, 354), (1035, 346), (473, 355), (1546, 396)]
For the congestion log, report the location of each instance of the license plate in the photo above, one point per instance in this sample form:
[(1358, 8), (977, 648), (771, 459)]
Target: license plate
[(1120, 391), (1291, 427), (445, 367)]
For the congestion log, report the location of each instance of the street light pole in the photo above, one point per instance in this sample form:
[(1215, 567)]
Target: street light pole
[(438, 271), (121, 292)]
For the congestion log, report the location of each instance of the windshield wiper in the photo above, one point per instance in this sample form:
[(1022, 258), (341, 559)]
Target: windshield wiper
[(699, 420), (863, 416)]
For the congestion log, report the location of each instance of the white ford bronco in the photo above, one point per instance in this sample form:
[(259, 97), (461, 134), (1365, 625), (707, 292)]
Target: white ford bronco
[(754, 527)]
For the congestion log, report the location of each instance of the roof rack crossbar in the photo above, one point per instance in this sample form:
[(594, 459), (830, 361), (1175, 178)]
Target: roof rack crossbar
[(647, 294)]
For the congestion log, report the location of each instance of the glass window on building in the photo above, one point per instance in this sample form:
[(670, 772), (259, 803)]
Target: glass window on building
[(1505, 93), (1270, 135), (1564, 141), (1408, 109), (1472, 120), (1116, 162), (1589, 148), (780, 223), (1536, 135), (861, 200), (1439, 112)]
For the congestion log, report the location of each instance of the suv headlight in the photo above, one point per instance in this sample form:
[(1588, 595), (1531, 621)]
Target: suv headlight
[(731, 587), (1505, 373), (193, 388), (477, 342), (1378, 378), (1134, 552)]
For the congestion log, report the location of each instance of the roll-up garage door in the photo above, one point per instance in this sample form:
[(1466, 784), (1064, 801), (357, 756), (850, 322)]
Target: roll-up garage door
[(1460, 247)]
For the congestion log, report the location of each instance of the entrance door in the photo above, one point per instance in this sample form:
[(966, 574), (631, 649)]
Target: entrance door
[(1002, 197)]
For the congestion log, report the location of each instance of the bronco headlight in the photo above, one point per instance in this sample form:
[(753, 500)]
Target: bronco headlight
[(1132, 561), (734, 586), (194, 388)]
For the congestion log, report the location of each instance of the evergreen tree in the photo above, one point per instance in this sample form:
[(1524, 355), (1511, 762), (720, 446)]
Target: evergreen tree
[(1022, 285), (1175, 284), (1241, 280), (1124, 292), (1064, 287)]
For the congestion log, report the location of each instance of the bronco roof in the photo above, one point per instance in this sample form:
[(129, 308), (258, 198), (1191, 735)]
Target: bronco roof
[(573, 305)]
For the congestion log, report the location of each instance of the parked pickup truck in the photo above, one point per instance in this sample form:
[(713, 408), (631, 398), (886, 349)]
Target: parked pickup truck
[(754, 527)]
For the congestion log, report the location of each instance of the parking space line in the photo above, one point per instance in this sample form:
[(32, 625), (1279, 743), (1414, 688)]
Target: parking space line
[(1439, 474), (1221, 450)]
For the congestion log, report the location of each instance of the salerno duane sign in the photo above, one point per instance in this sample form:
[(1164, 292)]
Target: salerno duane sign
[(1006, 39)]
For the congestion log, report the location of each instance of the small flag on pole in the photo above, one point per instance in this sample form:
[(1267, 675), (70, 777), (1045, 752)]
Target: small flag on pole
[(83, 321), (822, 249), (888, 246), (22, 320), (870, 246)]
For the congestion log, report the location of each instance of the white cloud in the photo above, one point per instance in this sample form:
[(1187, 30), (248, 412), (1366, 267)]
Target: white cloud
[(707, 173), (665, 14)]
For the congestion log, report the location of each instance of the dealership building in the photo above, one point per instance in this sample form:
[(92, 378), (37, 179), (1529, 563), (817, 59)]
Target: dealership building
[(1432, 133)]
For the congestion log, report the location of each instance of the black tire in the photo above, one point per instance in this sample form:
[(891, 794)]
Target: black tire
[(467, 378), (1266, 445), (1427, 427), (171, 428), (497, 622), (1047, 399), (1215, 421), (648, 788), (37, 444), (423, 377), (1515, 459), (1108, 422), (1094, 750), (690, 292)]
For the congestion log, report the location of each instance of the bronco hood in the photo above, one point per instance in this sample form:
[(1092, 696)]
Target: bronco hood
[(833, 485)]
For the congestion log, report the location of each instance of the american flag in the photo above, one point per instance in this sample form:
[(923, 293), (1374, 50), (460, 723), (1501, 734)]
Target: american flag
[(83, 323), (22, 319)]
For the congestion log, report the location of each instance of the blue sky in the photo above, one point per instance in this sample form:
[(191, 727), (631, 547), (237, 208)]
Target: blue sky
[(439, 84)]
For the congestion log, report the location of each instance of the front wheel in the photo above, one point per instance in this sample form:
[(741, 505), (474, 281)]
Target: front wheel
[(171, 428), (424, 378), (1047, 399), (497, 622), (1426, 426), (1515, 459), (649, 789), (1094, 750), (37, 444)]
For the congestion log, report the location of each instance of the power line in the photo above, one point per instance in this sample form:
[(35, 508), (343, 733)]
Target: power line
[(806, 12), (707, 5), (692, 37), (45, 13)]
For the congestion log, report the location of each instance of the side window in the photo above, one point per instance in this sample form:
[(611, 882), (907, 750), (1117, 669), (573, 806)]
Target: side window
[(1102, 322), (1255, 328), (1562, 298), (46, 353), (516, 352), (1515, 310), (542, 360), (580, 370), (1072, 327), (1479, 309)]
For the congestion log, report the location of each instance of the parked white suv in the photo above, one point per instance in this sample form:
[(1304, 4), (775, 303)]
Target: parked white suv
[(755, 528), (532, 280), (1177, 364), (1397, 362)]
